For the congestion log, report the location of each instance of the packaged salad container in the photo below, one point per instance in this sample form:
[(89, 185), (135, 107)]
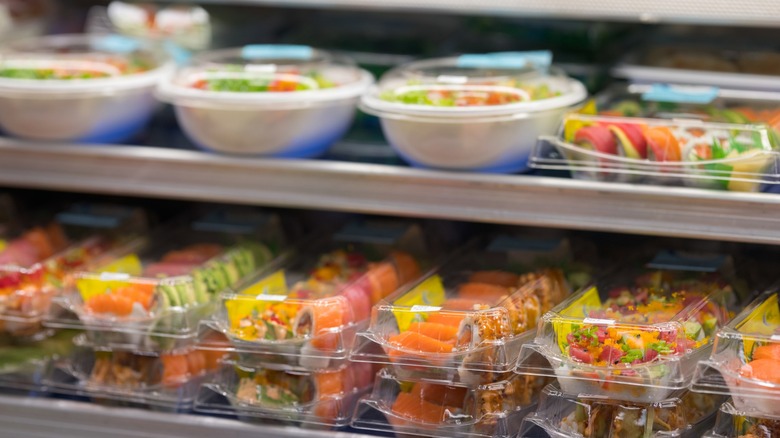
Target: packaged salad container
[(732, 423), (745, 360), (23, 360), (305, 315), (165, 381), (78, 88), (562, 415), (473, 112), (320, 398), (153, 294), (36, 264), (465, 322), (634, 335), (421, 408), (280, 101), (721, 67)]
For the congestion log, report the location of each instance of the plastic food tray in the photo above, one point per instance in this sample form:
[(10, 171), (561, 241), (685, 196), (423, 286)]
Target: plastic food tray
[(746, 359), (321, 398), (474, 112), (422, 408), (152, 295), (562, 415), (678, 152), (306, 314), (466, 322), (741, 69), (100, 88), (635, 335), (23, 361), (732, 423), (271, 100), (166, 381), (37, 263)]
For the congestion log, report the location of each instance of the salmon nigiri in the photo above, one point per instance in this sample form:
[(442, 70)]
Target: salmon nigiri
[(770, 351), (440, 332)]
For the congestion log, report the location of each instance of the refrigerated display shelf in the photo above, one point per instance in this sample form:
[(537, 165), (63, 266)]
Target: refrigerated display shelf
[(763, 13), (41, 417), (392, 190)]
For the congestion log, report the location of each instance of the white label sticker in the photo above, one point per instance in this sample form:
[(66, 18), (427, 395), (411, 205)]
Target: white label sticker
[(114, 276), (269, 297), (598, 321), (419, 308)]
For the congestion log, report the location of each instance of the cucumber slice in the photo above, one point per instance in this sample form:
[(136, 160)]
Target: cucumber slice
[(230, 271), (173, 296), (200, 286), (186, 293)]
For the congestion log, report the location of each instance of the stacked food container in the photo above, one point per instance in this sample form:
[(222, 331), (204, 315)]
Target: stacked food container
[(624, 351), (744, 364), (448, 343), (140, 308), (288, 334), (36, 263)]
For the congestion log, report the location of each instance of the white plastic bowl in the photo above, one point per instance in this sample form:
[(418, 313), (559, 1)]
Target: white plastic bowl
[(491, 138), (97, 110), (291, 124)]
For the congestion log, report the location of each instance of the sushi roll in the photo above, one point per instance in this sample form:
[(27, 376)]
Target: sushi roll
[(320, 324), (478, 334)]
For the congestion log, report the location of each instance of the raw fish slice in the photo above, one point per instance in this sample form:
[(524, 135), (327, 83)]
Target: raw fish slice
[(412, 341), (482, 291), (440, 332), (497, 278)]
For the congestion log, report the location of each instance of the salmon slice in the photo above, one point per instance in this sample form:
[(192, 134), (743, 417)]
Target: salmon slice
[(446, 318), (771, 351), (440, 332), (482, 291), (411, 405), (419, 342), (443, 395), (406, 265), (465, 304), (383, 279), (496, 278), (175, 369)]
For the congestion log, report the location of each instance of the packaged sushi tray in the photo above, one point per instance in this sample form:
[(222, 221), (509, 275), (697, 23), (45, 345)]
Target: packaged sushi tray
[(686, 64), (435, 409), (38, 262), (305, 315), (745, 360), (151, 295), (167, 381), (323, 399), (733, 423), (479, 112), (670, 135), (636, 334), (466, 321), (23, 360), (561, 415), (80, 88), (296, 99)]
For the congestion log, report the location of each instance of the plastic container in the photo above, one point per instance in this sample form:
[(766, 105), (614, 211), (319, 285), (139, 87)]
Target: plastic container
[(279, 101), (678, 64), (305, 315), (100, 92), (23, 361), (321, 398), (678, 152), (167, 381), (635, 335), (562, 415), (36, 264), (732, 423), (465, 322), (152, 295), (475, 112), (746, 359), (422, 408)]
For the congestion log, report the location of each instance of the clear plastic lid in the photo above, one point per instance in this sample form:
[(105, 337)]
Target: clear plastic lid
[(634, 335), (465, 322), (261, 75), (733, 423), (423, 408), (745, 361), (23, 361), (306, 314), (562, 415), (36, 264), (78, 64), (167, 380), (153, 294), (325, 398), (469, 85), (679, 152)]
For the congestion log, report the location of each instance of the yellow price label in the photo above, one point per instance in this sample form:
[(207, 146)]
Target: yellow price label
[(424, 298), (113, 275), (763, 321), (271, 290), (578, 309), (273, 284), (129, 264)]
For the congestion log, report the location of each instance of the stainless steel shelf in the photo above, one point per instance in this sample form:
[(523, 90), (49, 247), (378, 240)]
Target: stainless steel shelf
[(725, 12), (393, 190), (40, 417)]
